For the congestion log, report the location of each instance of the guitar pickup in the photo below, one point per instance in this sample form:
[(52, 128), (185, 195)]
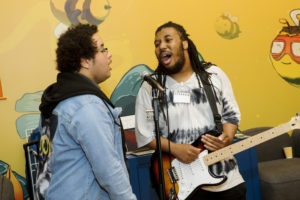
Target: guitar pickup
[(173, 175)]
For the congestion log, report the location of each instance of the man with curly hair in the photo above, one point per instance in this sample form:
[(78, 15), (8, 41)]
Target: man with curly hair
[(81, 154)]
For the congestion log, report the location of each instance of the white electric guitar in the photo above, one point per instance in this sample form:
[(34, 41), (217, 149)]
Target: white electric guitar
[(188, 177)]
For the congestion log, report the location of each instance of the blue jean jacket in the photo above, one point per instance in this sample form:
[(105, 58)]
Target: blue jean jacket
[(87, 157)]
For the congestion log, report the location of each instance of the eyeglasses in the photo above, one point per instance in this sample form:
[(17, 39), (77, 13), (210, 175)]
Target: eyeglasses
[(283, 44), (103, 50)]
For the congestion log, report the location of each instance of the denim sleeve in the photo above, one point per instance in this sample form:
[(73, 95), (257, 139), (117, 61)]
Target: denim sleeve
[(97, 135)]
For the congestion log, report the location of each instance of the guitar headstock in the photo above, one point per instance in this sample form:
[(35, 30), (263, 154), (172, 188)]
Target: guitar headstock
[(295, 122)]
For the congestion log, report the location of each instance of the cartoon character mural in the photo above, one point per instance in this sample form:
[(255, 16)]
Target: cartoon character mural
[(285, 50), (227, 27), (71, 14)]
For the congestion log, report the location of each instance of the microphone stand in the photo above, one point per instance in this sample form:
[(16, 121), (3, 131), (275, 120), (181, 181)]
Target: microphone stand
[(155, 103)]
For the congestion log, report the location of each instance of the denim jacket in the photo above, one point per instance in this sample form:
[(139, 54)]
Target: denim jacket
[(87, 158)]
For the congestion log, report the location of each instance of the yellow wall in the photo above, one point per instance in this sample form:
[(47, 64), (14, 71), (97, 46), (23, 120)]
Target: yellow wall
[(27, 53)]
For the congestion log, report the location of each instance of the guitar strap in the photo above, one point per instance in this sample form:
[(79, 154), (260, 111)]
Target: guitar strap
[(207, 85)]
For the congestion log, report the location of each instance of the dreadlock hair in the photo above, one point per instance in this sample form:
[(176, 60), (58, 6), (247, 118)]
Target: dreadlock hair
[(198, 66)]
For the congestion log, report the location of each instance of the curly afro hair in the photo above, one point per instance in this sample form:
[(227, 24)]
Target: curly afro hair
[(74, 44)]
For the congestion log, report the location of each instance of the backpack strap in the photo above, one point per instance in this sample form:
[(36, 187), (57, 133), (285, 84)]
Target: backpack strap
[(44, 174), (212, 101)]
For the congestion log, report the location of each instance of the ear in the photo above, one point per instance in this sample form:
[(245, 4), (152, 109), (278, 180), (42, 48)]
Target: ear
[(185, 44), (84, 63)]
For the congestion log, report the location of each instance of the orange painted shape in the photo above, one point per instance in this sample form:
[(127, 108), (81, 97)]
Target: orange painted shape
[(18, 191), (287, 49), (1, 93)]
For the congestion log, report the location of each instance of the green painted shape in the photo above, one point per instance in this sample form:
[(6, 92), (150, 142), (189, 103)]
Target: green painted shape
[(29, 102), (125, 93), (26, 123), (295, 81), (130, 83), (200, 57)]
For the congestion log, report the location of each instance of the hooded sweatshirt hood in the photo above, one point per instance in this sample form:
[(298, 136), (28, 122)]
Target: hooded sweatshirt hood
[(68, 84)]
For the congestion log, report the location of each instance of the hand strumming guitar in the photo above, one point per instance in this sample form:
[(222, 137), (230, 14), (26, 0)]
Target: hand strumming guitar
[(185, 153)]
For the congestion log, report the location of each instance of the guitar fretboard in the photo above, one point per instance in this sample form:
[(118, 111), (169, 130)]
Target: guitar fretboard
[(240, 146)]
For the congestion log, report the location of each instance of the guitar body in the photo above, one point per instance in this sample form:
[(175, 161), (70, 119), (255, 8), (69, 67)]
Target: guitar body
[(166, 165), (190, 176)]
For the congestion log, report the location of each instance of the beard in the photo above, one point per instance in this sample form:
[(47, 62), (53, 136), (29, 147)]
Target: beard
[(177, 67)]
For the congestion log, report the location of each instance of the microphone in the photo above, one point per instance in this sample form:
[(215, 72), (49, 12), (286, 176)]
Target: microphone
[(146, 77)]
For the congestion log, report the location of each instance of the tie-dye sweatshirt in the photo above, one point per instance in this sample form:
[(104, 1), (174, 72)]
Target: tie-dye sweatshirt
[(188, 121)]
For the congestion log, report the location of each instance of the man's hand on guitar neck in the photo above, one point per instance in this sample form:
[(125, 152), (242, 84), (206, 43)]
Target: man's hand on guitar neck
[(213, 143)]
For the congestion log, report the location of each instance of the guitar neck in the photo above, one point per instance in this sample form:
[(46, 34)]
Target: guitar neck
[(240, 146)]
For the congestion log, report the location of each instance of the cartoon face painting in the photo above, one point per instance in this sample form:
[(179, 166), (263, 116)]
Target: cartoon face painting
[(285, 51)]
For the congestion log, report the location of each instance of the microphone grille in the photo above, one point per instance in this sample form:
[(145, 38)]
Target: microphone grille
[(143, 74)]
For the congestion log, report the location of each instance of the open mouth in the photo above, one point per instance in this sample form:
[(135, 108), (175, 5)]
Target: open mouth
[(165, 58)]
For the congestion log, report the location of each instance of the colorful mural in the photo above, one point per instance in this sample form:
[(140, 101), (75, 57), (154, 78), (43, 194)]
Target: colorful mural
[(285, 50), (235, 40)]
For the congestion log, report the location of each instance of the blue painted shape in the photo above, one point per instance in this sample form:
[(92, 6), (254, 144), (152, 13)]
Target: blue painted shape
[(29, 102), (26, 124), (200, 57), (3, 167)]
